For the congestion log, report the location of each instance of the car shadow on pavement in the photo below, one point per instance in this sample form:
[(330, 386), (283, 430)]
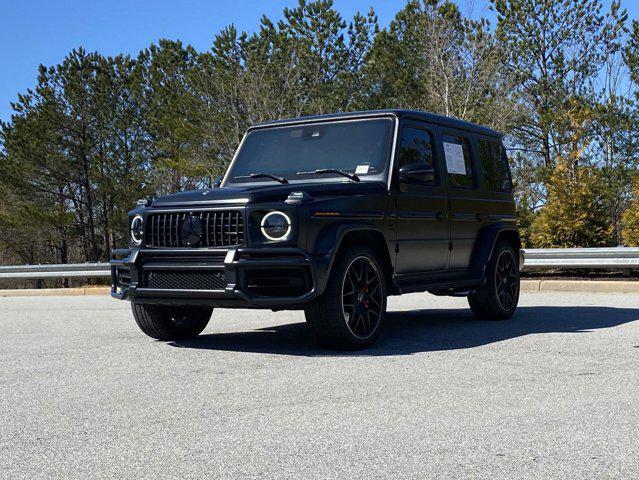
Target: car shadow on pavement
[(407, 332)]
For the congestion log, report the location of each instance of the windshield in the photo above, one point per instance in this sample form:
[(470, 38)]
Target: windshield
[(353, 146)]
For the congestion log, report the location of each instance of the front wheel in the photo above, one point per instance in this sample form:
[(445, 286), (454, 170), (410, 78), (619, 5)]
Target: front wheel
[(350, 313), (497, 299), (171, 323)]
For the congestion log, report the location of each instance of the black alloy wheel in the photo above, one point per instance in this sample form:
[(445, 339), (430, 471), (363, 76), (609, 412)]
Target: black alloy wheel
[(362, 297), (507, 280), (498, 297), (350, 313)]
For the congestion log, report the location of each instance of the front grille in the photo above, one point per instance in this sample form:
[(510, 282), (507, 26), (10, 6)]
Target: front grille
[(166, 280), (219, 229)]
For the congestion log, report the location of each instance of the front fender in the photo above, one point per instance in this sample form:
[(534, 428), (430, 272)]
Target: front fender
[(329, 239)]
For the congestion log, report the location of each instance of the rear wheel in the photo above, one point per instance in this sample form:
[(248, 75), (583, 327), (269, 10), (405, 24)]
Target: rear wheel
[(350, 313), (497, 299), (171, 323)]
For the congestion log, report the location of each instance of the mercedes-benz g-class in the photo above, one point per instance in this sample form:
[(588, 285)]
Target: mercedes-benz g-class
[(330, 215)]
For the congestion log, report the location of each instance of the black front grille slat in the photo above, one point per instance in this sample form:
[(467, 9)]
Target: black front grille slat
[(167, 229), (157, 226), (171, 230), (163, 228), (204, 239), (212, 235), (219, 228), (206, 228), (179, 218)]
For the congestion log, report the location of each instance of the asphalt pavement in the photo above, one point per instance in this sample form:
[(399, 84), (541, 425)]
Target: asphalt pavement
[(551, 393)]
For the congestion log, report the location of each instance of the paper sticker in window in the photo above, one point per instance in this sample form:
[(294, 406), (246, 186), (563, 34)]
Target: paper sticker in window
[(454, 154)]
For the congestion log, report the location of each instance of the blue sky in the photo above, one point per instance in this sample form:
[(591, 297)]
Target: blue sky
[(34, 32)]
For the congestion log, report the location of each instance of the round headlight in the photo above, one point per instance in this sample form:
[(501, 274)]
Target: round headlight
[(276, 226), (137, 229)]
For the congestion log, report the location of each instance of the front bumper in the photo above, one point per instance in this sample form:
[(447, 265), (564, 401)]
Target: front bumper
[(241, 277)]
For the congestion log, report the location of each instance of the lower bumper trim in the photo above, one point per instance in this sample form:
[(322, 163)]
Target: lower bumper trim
[(236, 267)]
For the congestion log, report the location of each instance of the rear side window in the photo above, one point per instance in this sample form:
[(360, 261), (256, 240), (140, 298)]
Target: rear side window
[(494, 164), (458, 161)]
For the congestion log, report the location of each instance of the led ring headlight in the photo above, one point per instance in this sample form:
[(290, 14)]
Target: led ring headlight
[(276, 226), (137, 229)]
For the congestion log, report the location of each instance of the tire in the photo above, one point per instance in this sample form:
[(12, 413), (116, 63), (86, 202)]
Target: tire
[(171, 323), (497, 299), (350, 321)]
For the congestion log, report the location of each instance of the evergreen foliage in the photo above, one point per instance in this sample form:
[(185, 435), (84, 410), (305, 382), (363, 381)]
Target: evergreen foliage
[(575, 213), (630, 221)]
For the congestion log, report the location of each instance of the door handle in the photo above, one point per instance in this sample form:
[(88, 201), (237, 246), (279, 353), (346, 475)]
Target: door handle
[(441, 216)]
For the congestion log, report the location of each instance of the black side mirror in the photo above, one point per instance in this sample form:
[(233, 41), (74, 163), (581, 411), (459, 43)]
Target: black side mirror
[(417, 174), (217, 182)]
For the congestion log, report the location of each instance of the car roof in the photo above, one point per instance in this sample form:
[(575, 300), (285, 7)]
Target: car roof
[(401, 113)]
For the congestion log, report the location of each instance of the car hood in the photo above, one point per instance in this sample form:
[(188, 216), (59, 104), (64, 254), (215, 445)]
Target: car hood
[(264, 194)]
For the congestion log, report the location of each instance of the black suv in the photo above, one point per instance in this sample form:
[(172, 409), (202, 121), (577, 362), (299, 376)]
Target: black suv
[(330, 215)]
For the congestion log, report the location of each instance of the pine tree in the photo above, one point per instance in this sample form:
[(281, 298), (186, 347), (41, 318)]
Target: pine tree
[(432, 58), (173, 115), (575, 212)]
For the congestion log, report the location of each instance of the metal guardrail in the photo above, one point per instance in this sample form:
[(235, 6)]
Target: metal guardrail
[(69, 270), (618, 258)]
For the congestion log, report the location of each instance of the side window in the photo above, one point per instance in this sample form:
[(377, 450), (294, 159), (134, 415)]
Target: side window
[(416, 148), (494, 164), (458, 162)]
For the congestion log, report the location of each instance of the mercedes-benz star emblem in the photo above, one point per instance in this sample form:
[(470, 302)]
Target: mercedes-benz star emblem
[(191, 231)]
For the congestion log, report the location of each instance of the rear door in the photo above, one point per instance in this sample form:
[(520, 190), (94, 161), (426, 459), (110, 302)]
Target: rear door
[(421, 207), (468, 207)]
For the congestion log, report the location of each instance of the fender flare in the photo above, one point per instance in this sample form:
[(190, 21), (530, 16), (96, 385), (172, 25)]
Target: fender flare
[(330, 239), (485, 244)]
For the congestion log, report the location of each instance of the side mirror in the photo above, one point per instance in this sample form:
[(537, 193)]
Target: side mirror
[(217, 182), (417, 174)]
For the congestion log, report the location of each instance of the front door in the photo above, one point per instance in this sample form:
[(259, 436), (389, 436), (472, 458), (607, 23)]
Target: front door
[(421, 205)]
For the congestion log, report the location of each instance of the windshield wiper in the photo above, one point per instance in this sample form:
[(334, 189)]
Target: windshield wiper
[(263, 175), (324, 171)]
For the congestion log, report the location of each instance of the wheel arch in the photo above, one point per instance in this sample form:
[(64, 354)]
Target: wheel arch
[(346, 236), (488, 239)]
